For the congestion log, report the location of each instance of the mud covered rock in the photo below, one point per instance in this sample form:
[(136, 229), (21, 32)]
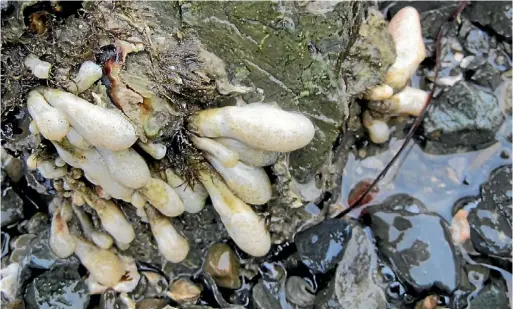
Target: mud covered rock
[(59, 288), (417, 242), (322, 246), (12, 207), (293, 52), (466, 116), (355, 284)]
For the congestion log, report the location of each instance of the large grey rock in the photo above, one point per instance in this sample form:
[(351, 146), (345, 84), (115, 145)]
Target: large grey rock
[(466, 116), (493, 295), (417, 243), (59, 288)]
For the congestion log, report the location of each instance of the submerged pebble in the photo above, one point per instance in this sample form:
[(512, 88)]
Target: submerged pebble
[(322, 246), (223, 265), (421, 260)]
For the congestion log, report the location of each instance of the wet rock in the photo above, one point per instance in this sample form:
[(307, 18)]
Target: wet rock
[(322, 246), (477, 42), (5, 238), (40, 256), (299, 292), (490, 221), (12, 207), (312, 37), (490, 232), (422, 260), (355, 284), (269, 292), (466, 116), (223, 265), (38, 222), (59, 288), (496, 193), (183, 291), (493, 14), (151, 303), (493, 295)]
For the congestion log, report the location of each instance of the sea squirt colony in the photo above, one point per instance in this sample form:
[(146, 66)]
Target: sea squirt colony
[(96, 142)]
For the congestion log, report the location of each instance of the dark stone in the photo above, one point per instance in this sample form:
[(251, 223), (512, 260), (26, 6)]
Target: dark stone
[(496, 193), (269, 292), (39, 254), (12, 207), (487, 76), (477, 42), (322, 246), (490, 232), (353, 285), (60, 288), (466, 116), (493, 295), (416, 242), (493, 14)]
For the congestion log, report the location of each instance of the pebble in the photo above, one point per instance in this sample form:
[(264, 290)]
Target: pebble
[(223, 265)]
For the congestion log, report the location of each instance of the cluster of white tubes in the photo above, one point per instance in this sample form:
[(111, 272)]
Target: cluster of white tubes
[(393, 97), (236, 141)]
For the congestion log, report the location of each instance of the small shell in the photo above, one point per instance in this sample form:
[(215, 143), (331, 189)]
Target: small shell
[(156, 150), (183, 291), (88, 74), (379, 93), (51, 122)]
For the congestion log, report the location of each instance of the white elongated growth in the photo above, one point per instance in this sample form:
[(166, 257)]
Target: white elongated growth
[(103, 265), (88, 74), (95, 170), (40, 69), (378, 129), (251, 184), (77, 140), (227, 157), (244, 226), (193, 198), (61, 241), (159, 194), (50, 171), (258, 125), (127, 167), (379, 93), (249, 155), (173, 246), (156, 150), (409, 46), (113, 220), (102, 240), (409, 101), (99, 126), (51, 122)]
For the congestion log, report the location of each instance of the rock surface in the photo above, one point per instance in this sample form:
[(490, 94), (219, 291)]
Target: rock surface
[(493, 295), (322, 246), (294, 54), (416, 242), (12, 207), (355, 284), (465, 116), (59, 288)]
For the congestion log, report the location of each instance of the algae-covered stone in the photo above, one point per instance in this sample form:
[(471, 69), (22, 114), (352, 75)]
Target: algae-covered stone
[(291, 51)]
